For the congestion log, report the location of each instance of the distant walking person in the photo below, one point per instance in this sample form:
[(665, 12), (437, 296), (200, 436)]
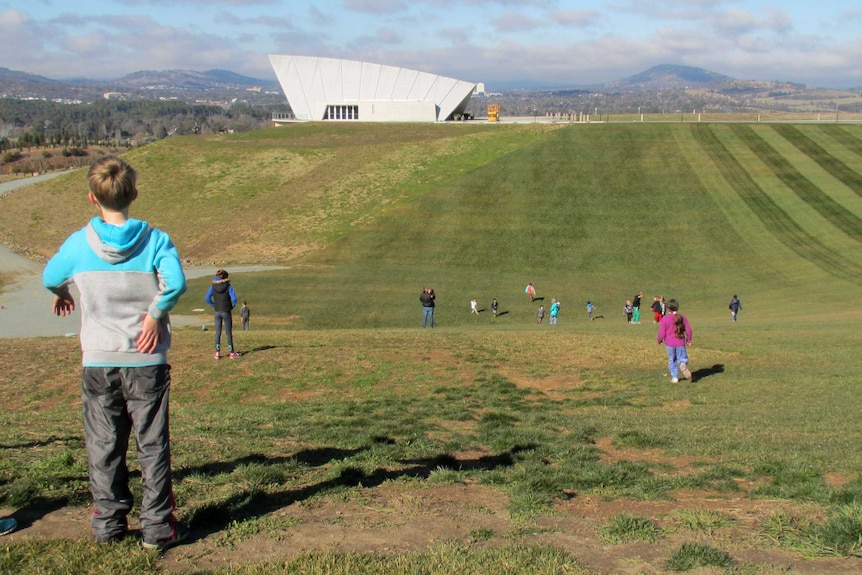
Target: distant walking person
[(474, 306), (540, 315), (636, 307), (494, 306), (734, 306), (656, 309), (554, 311), (245, 315), (590, 309), (222, 297), (530, 291), (427, 298), (675, 332)]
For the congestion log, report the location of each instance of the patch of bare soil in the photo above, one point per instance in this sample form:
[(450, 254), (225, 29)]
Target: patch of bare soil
[(396, 518)]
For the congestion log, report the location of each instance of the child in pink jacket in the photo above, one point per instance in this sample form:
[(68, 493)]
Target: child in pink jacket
[(675, 332)]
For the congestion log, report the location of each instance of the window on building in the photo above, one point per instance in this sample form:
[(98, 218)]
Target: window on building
[(341, 112)]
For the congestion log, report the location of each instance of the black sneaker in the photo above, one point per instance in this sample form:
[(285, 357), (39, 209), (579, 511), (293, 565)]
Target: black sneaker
[(178, 534)]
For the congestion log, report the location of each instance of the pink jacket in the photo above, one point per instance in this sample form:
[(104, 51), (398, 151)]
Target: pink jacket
[(667, 331)]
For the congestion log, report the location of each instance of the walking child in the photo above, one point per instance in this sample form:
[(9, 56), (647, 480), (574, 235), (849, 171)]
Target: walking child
[(129, 277), (541, 313), (474, 306), (636, 307), (675, 332), (590, 309), (554, 311), (494, 306), (734, 306), (656, 308)]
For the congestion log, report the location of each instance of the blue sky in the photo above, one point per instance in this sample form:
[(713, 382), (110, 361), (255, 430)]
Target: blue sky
[(551, 42)]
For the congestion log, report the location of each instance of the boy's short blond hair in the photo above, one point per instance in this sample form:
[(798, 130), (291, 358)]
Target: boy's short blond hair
[(112, 180)]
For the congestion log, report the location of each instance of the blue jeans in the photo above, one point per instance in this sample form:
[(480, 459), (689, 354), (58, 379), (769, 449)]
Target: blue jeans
[(224, 317), (676, 354), (428, 316)]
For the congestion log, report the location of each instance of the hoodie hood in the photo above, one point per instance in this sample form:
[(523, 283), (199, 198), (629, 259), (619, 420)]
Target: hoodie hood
[(116, 244)]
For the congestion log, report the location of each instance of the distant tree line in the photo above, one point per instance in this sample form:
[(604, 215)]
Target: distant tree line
[(30, 123)]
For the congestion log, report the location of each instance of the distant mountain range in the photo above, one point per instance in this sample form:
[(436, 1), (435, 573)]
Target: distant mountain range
[(150, 83), (691, 87), (669, 76), (184, 84)]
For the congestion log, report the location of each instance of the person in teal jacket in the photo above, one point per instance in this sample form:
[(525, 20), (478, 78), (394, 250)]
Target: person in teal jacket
[(129, 278), (554, 311)]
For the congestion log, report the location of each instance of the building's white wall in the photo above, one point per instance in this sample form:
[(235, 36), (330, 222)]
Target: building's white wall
[(394, 94), (382, 111)]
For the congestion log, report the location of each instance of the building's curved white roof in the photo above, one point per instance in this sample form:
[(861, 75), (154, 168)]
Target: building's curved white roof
[(318, 88)]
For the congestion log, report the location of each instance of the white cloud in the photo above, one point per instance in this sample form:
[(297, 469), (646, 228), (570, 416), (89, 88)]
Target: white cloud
[(375, 6), (515, 22), (575, 18)]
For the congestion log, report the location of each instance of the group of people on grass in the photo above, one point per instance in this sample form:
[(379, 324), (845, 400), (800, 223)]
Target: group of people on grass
[(129, 277), (674, 329)]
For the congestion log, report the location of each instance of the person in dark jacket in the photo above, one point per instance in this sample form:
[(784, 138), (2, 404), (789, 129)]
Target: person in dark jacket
[(222, 297), (427, 298), (636, 307), (734, 306)]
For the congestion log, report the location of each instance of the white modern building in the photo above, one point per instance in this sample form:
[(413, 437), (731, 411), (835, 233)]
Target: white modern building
[(347, 90)]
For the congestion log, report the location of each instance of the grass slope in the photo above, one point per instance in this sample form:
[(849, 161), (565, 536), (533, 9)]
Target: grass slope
[(366, 215), (353, 400), (595, 212)]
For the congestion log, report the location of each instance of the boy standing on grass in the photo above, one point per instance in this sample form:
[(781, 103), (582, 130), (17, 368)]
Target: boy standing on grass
[(245, 315), (129, 277)]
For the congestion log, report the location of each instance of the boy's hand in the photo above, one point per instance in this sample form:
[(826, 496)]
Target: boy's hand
[(63, 305), (151, 334)]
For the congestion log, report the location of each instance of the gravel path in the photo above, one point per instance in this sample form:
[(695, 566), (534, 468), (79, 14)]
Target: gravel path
[(25, 306)]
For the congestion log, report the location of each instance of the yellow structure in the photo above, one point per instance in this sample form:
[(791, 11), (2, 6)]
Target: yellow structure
[(493, 112)]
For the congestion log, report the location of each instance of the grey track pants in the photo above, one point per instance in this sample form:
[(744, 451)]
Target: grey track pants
[(116, 401)]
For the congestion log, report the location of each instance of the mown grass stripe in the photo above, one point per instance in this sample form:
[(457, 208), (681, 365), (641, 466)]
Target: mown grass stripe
[(835, 213), (776, 220), (843, 137), (835, 167)]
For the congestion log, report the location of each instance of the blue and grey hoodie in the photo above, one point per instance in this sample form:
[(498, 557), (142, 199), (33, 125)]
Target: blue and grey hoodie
[(122, 273)]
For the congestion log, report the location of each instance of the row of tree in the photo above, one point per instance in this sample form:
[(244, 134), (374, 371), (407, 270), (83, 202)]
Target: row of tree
[(26, 123)]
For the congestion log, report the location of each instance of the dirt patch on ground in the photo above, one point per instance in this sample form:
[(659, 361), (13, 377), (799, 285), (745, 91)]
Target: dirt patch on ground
[(396, 518)]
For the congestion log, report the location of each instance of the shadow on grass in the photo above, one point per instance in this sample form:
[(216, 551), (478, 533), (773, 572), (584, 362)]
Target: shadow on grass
[(71, 440), (217, 516), (309, 457), (37, 509), (703, 372)]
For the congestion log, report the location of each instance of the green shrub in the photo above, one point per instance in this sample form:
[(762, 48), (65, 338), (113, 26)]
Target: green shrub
[(625, 527), (692, 555)]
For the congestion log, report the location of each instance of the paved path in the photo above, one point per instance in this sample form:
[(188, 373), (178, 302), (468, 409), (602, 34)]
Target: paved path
[(26, 305)]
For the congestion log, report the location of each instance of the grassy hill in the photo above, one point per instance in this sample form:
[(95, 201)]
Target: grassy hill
[(372, 213), (348, 439)]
